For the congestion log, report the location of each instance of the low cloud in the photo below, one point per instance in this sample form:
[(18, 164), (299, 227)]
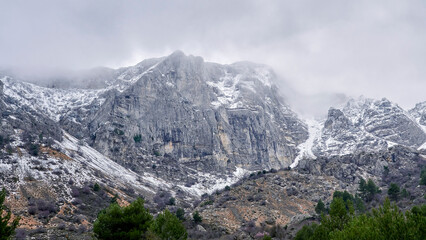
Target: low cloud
[(374, 48)]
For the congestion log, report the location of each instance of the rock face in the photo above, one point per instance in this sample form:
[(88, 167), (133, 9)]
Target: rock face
[(177, 117), (388, 121), (200, 113), (367, 125), (419, 113)]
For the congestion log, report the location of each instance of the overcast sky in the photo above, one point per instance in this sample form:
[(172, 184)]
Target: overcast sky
[(374, 48)]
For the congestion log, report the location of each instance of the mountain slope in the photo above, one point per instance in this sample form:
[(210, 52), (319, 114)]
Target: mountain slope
[(364, 125), (180, 108)]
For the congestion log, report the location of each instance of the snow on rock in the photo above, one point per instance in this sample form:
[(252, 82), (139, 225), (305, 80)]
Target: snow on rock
[(363, 124), (305, 149), (245, 77), (210, 183), (51, 101), (227, 91), (89, 156)]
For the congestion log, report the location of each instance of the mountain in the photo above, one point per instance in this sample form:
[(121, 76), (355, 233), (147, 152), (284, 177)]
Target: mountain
[(179, 127), (176, 123), (181, 108), (363, 125), (419, 114)]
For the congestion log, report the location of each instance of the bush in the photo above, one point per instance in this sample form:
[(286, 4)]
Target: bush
[(33, 149), (385, 170), (306, 232), (4, 140), (386, 222), (96, 187), (393, 192), (207, 202), (7, 227), (320, 208), (168, 227), (118, 132), (405, 193), (180, 213), (423, 176), (117, 222), (137, 138), (196, 217), (172, 201), (162, 199), (368, 189)]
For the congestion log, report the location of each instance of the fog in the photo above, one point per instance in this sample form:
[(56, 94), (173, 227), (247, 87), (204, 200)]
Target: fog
[(323, 51)]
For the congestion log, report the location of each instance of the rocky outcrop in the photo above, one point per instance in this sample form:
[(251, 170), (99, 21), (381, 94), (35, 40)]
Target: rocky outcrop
[(397, 164), (388, 121), (199, 113), (419, 113), (367, 125)]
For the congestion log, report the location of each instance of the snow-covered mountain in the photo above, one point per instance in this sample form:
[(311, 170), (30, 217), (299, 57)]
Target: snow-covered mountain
[(183, 126), (364, 125), (175, 123), (419, 114)]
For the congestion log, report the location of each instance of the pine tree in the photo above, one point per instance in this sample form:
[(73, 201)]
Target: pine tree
[(320, 208), (368, 189), (180, 213), (423, 176), (96, 187), (197, 217), (393, 192), (6, 229), (168, 227), (116, 222)]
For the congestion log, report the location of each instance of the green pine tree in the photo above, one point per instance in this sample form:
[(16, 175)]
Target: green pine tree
[(180, 213), (320, 208), (197, 217), (168, 227), (423, 176), (7, 228), (393, 192), (117, 222)]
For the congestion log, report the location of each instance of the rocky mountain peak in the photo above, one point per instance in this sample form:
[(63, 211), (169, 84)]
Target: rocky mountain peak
[(365, 124), (419, 113), (336, 120)]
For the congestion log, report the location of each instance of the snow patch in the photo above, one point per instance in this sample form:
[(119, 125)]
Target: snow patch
[(219, 183), (51, 101), (102, 163), (422, 147), (305, 149)]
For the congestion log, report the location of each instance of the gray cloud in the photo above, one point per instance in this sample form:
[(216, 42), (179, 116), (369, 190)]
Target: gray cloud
[(375, 48)]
